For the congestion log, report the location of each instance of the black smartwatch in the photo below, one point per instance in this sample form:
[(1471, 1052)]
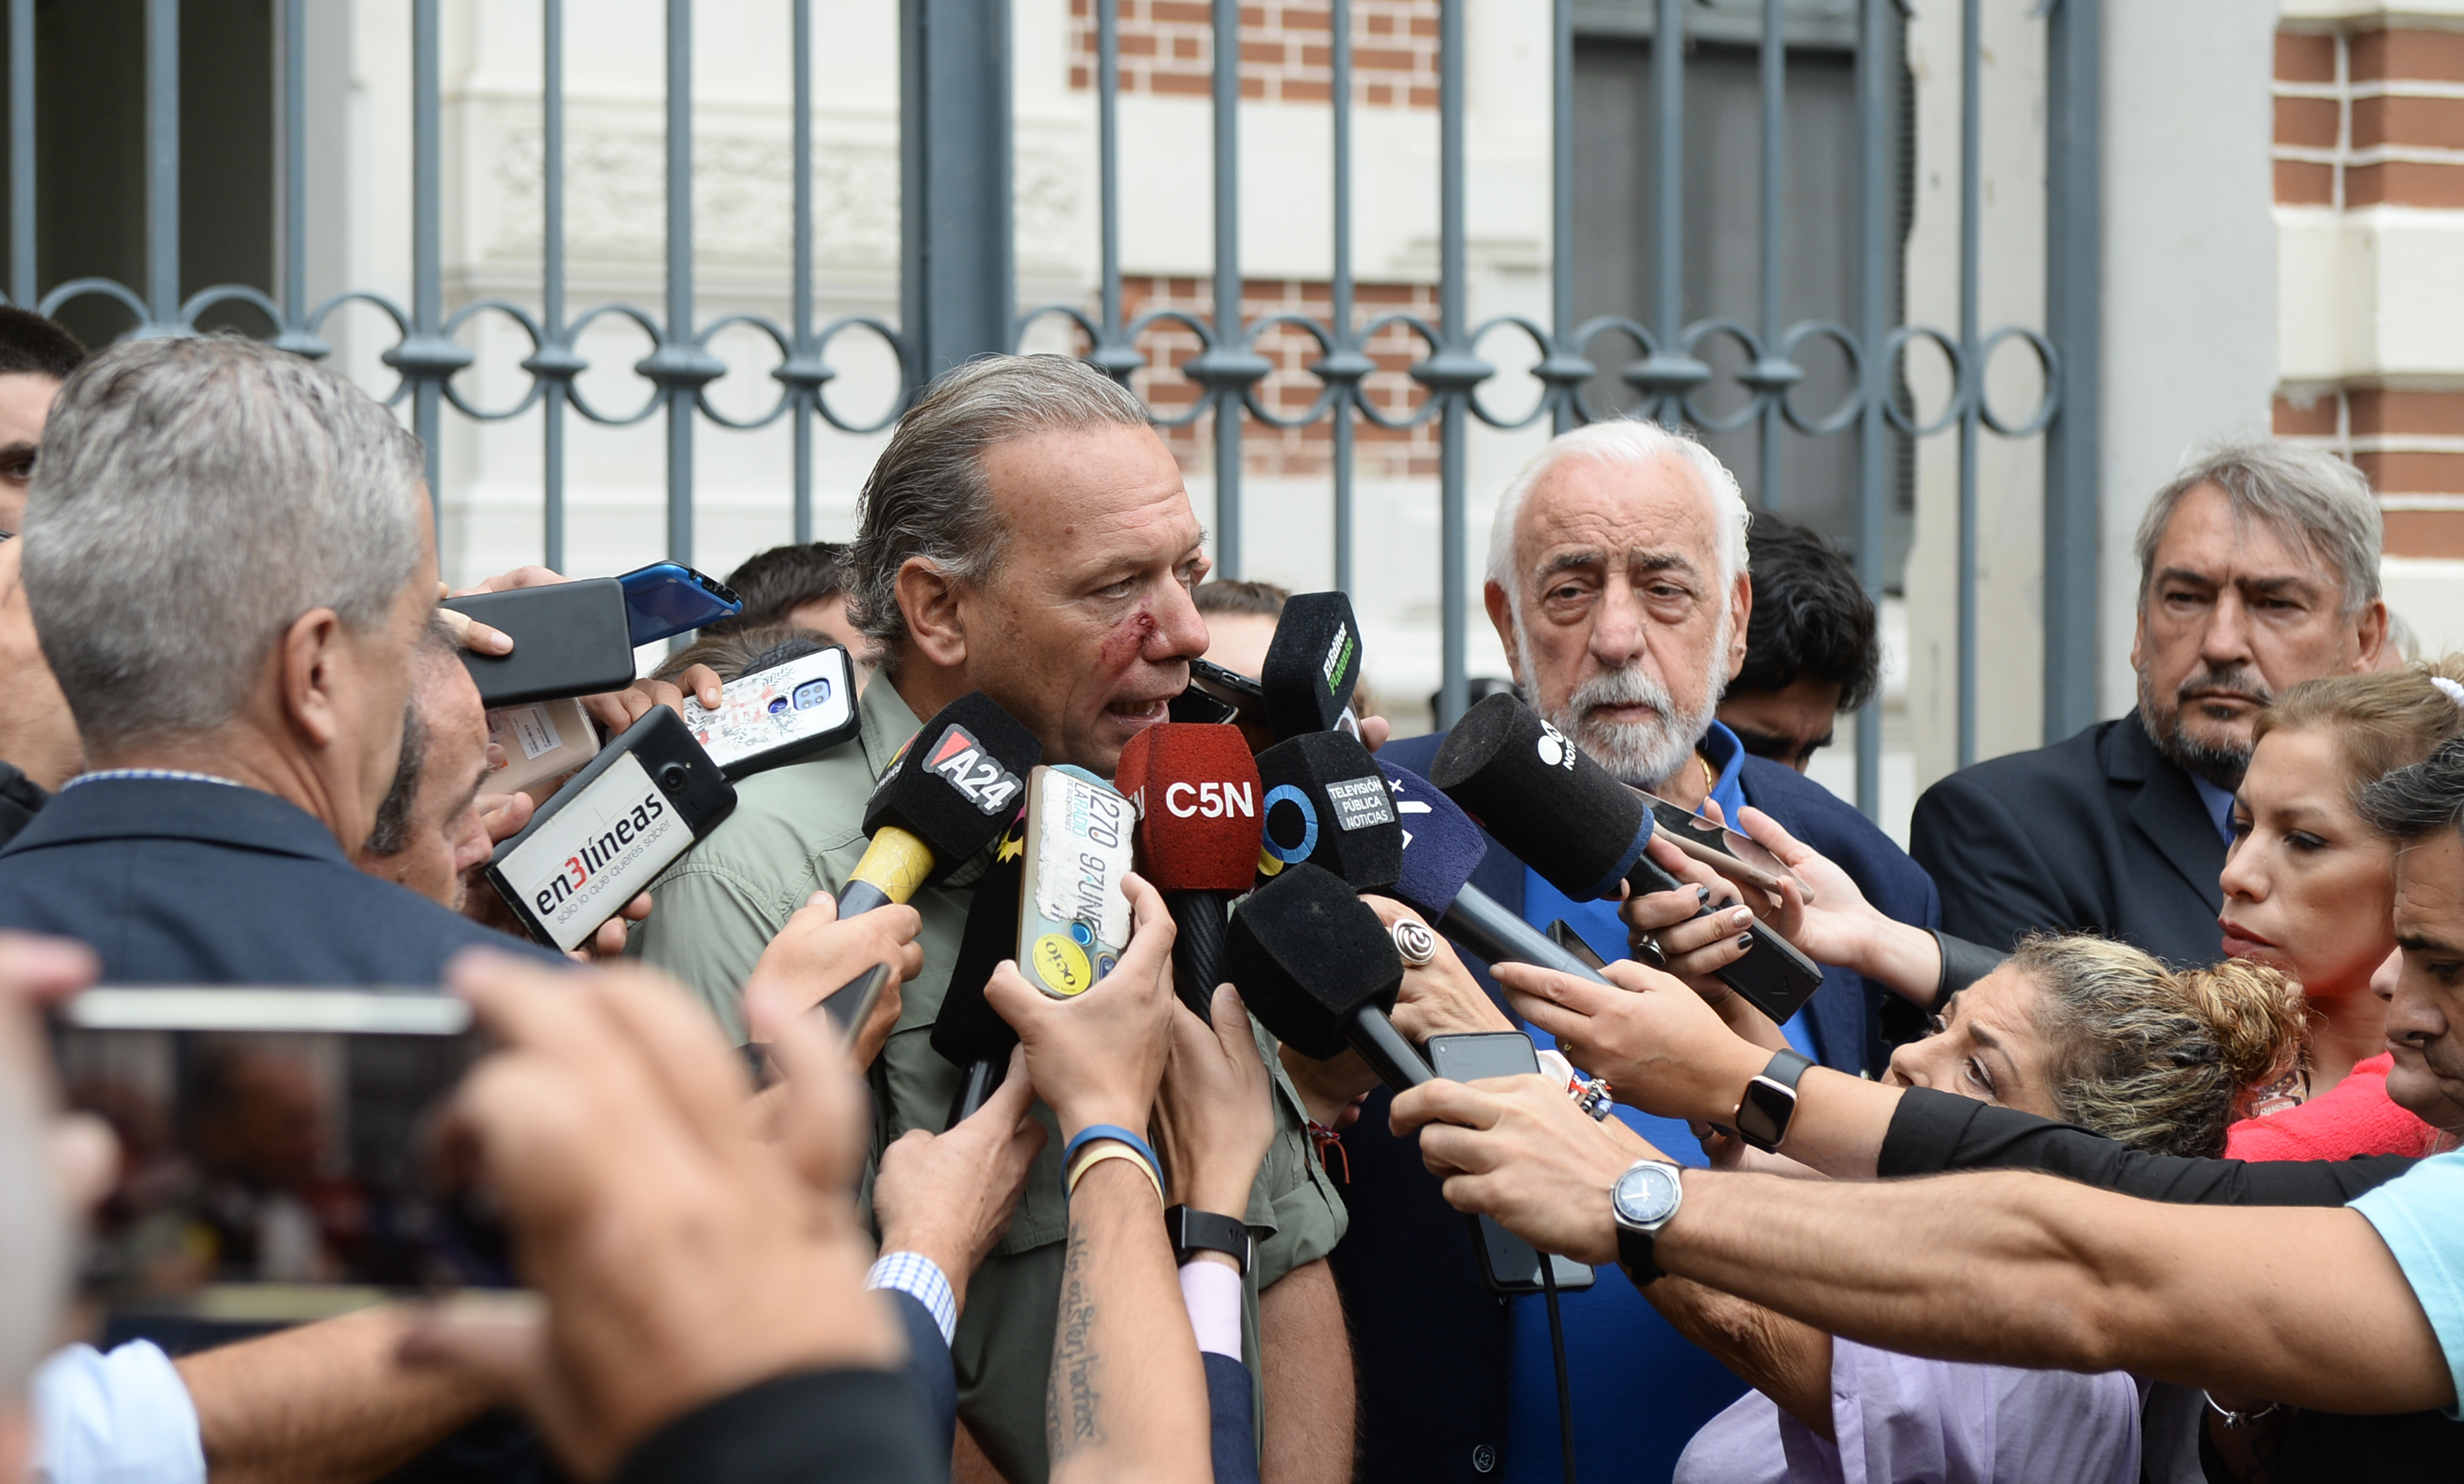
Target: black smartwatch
[(1191, 1232), (1771, 1101)]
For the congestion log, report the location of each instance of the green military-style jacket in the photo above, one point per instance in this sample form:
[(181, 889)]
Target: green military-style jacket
[(800, 829)]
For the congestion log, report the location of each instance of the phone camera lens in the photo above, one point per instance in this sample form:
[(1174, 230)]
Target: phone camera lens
[(672, 777)]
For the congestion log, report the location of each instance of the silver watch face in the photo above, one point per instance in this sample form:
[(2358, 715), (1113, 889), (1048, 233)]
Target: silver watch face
[(1645, 1195)]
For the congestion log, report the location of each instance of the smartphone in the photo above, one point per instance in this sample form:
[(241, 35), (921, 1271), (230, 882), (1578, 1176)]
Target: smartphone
[(770, 717), (1775, 976), (1563, 934), (1740, 857), (1073, 919), (602, 839), (570, 639), (667, 599), (543, 741), (1508, 1263), (284, 1152)]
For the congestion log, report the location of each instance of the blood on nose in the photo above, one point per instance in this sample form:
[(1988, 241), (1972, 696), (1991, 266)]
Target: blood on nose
[(1129, 637)]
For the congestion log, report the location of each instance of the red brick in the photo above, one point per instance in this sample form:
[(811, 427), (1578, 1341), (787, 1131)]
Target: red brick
[(2303, 182), (1186, 49), (1138, 44), (2317, 420), (1380, 94), (2411, 56), (1424, 97), (2304, 59), (1382, 59), (2404, 183), (1185, 13), (2423, 123), (2378, 411), (1296, 19), (1253, 87), (1269, 54), (2413, 474), (2425, 532), (1425, 25), (2312, 123), (1181, 84), (1381, 25)]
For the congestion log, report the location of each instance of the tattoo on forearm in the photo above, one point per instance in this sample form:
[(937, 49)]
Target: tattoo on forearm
[(1072, 1402)]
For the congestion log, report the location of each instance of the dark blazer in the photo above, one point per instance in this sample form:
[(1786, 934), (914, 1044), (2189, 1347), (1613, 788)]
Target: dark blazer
[(1436, 1349), (815, 1427), (2101, 833), (176, 881)]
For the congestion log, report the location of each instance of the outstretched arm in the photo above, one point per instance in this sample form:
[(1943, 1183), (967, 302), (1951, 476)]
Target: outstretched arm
[(2009, 1268)]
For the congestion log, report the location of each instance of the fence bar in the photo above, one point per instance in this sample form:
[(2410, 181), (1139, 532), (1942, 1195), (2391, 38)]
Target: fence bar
[(1107, 130), (1561, 205), (2072, 286), (552, 274), (22, 283), (953, 144), (294, 163), (162, 163), (1454, 694), (801, 149), (1339, 296), (1972, 170), (680, 280), (1876, 217), (1774, 78), (426, 253), (1227, 284), (1668, 182)]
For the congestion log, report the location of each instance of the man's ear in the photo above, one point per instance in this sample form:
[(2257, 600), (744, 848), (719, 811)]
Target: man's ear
[(1741, 612), (936, 625), (306, 655), (2138, 633), (2373, 635), (1500, 616)]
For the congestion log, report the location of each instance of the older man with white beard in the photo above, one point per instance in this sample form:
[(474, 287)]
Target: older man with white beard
[(1618, 582)]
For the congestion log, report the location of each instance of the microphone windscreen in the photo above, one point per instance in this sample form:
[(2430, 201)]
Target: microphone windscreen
[(1313, 663), (1541, 798), (1305, 952), (1441, 844), (1326, 803), (1197, 789), (959, 782), (968, 1029)]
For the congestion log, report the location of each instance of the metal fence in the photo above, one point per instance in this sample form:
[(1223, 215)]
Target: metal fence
[(957, 295)]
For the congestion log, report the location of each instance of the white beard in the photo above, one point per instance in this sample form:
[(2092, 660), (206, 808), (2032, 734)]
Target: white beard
[(1642, 754)]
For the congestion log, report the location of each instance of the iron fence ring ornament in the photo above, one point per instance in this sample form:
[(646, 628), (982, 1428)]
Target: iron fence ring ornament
[(821, 352), (1206, 333), (1952, 406), (777, 335), (658, 397), (1437, 344), (1696, 333), (1543, 343), (49, 306), (2048, 403), (1845, 415), (1593, 329), (539, 342), (1328, 392)]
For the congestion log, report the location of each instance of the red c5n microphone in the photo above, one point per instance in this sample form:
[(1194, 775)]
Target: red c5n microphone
[(954, 789), (1318, 970), (1198, 792), (1574, 824), (1311, 665)]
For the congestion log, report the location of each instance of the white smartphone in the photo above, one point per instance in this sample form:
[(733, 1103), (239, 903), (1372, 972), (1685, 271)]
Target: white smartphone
[(783, 713)]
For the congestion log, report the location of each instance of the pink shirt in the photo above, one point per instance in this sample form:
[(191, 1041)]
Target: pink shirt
[(2353, 1117)]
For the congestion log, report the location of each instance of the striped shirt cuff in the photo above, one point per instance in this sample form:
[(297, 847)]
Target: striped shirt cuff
[(920, 1278)]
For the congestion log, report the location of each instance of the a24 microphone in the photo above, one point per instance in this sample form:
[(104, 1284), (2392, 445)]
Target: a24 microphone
[(952, 792)]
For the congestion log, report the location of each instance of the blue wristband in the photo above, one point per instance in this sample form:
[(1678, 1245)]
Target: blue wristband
[(1115, 1132)]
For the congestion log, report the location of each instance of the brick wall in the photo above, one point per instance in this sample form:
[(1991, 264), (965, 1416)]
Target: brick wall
[(1299, 453), (2368, 117), (1168, 47)]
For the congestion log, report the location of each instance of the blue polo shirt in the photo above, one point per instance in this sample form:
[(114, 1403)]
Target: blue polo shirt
[(1640, 1389)]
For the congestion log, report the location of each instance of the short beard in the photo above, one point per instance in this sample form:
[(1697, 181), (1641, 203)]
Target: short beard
[(2221, 765), (1642, 753)]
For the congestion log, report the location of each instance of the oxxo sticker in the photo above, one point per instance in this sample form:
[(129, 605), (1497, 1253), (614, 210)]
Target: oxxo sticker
[(1061, 964), (961, 761), (1555, 750), (1361, 802)]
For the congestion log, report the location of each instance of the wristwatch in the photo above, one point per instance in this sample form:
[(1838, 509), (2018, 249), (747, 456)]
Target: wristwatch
[(1192, 1231), (1771, 1101), (1644, 1199)]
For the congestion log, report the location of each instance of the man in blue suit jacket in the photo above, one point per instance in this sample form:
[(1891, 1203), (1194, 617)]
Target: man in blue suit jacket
[(229, 562), (1618, 582)]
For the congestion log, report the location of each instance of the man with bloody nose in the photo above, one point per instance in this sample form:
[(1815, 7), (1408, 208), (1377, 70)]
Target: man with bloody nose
[(1025, 534)]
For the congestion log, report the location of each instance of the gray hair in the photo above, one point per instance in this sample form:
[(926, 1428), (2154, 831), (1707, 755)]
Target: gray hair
[(34, 1229), (927, 495), (194, 497), (1630, 443), (2308, 496)]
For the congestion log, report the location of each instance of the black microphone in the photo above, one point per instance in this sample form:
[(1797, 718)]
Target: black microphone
[(1585, 832), (1319, 970), (969, 1032), (1441, 849), (954, 787), (1313, 663), (1328, 805)]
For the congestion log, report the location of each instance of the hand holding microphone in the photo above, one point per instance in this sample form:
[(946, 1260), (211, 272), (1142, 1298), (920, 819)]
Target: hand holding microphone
[(1098, 1056), (1215, 1112)]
